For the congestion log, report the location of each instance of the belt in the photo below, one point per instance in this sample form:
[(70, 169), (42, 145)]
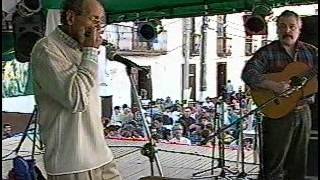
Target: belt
[(300, 107), (304, 103)]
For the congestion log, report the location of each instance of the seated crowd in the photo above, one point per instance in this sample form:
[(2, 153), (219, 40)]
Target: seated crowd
[(173, 122)]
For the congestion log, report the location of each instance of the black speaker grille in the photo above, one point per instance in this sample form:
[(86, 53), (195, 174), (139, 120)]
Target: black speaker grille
[(309, 31), (27, 31)]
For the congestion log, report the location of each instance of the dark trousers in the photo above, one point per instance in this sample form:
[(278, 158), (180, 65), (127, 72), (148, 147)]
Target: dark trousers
[(285, 145)]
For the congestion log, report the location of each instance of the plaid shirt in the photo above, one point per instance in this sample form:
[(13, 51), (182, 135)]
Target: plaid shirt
[(274, 58)]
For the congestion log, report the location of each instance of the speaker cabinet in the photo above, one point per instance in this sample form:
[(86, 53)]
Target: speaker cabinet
[(26, 32), (312, 166), (309, 31), (309, 34)]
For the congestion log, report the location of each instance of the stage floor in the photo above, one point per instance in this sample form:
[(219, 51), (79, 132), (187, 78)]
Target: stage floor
[(176, 161)]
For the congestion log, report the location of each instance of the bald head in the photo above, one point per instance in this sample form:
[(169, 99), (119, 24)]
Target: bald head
[(79, 16), (91, 5), (79, 7)]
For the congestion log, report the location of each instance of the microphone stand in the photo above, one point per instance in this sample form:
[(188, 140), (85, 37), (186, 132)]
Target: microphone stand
[(242, 174), (254, 111), (33, 119), (221, 160), (148, 149)]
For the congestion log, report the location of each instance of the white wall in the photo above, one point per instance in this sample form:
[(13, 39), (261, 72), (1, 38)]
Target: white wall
[(166, 69)]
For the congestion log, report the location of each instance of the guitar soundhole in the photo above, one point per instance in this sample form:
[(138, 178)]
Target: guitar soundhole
[(276, 101)]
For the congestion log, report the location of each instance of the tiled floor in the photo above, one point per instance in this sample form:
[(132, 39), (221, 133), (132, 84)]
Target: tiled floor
[(176, 161)]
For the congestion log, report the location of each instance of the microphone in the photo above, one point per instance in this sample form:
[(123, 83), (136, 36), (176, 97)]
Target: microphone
[(113, 56)]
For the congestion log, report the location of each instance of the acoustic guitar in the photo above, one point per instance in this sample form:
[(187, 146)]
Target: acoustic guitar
[(304, 83)]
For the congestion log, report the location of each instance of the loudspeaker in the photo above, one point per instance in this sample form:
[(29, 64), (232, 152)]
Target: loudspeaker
[(309, 34), (146, 32), (149, 30), (26, 32), (312, 165), (309, 31), (255, 25)]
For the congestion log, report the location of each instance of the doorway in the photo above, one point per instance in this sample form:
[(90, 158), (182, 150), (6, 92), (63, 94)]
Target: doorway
[(221, 77)]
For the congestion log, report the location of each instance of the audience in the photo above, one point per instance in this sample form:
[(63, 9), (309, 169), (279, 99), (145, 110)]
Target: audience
[(7, 131), (169, 122), (177, 132)]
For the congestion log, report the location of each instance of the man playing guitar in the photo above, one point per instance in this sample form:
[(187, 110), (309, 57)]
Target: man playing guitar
[(285, 136)]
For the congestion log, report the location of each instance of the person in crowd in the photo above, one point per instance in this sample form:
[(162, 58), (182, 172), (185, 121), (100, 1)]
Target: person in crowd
[(127, 130), (116, 114), (228, 138), (186, 120), (160, 132), (125, 106), (113, 130), (7, 131), (208, 103), (171, 118), (137, 131), (175, 114), (105, 121), (144, 94), (168, 102), (196, 129), (177, 132), (153, 109), (229, 89), (285, 139), (126, 115), (198, 111), (233, 115), (167, 121), (64, 67)]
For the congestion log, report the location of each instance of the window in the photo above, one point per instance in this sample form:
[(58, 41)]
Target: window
[(264, 40), (128, 41), (223, 42), (195, 40), (224, 46), (195, 45), (248, 46), (220, 27), (191, 80)]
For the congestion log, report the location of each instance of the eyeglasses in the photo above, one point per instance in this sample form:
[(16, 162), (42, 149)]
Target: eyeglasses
[(95, 20), (284, 27)]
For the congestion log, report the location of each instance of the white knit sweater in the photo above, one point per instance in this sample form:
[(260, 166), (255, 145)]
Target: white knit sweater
[(66, 91)]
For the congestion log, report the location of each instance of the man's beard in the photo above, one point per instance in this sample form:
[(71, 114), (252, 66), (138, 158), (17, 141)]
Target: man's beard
[(287, 40)]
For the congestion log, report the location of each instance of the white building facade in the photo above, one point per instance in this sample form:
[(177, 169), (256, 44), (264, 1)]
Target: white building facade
[(166, 59), (166, 70)]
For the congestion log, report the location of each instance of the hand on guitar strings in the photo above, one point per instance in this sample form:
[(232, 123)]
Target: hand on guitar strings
[(281, 87)]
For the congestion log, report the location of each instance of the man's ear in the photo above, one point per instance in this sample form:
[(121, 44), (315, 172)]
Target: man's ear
[(70, 15)]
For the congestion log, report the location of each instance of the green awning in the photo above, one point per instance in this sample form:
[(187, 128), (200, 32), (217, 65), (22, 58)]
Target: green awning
[(130, 10)]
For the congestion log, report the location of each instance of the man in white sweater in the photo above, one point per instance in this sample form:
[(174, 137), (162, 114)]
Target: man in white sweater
[(64, 66)]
